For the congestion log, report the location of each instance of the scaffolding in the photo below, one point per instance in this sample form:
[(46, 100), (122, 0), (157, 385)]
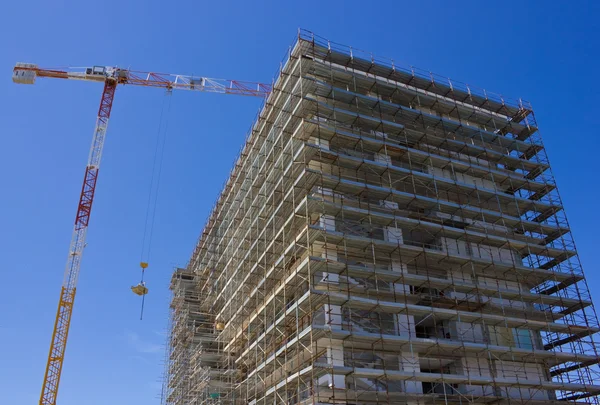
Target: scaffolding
[(385, 236)]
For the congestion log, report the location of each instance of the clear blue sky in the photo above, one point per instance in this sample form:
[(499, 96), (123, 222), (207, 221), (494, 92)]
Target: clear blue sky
[(543, 51)]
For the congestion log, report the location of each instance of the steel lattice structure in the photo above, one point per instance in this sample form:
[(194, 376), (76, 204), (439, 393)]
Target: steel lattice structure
[(25, 73)]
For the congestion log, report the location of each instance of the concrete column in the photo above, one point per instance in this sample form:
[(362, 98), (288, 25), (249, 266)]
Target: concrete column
[(405, 325), (410, 362), (393, 234), (333, 316), (335, 357), (333, 313), (329, 251), (327, 222), (400, 268)]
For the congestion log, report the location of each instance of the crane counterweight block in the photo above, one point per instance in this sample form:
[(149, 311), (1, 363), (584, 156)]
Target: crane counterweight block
[(24, 73)]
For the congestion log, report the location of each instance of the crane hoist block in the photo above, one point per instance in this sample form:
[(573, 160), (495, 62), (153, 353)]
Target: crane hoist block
[(26, 75)]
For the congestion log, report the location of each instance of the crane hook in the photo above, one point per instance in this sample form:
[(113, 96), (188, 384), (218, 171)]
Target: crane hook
[(141, 288)]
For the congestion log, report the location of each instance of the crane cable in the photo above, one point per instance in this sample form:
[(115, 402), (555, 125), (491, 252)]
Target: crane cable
[(159, 151)]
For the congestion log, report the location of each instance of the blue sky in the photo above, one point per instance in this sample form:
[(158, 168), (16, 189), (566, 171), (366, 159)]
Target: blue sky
[(545, 52)]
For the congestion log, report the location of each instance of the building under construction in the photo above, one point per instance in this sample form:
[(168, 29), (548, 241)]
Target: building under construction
[(386, 236)]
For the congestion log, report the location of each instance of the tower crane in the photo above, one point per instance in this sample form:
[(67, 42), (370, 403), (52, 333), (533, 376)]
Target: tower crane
[(111, 77)]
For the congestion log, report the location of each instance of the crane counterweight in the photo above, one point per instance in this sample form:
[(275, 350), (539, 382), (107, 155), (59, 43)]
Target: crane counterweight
[(24, 73)]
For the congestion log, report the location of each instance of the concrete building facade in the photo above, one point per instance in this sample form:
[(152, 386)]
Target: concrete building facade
[(386, 236)]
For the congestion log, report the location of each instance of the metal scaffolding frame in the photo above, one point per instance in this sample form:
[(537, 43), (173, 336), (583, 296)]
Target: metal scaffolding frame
[(386, 236)]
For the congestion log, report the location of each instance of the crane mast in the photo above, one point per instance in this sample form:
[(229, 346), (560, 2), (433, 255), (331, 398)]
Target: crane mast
[(82, 219), (25, 73)]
